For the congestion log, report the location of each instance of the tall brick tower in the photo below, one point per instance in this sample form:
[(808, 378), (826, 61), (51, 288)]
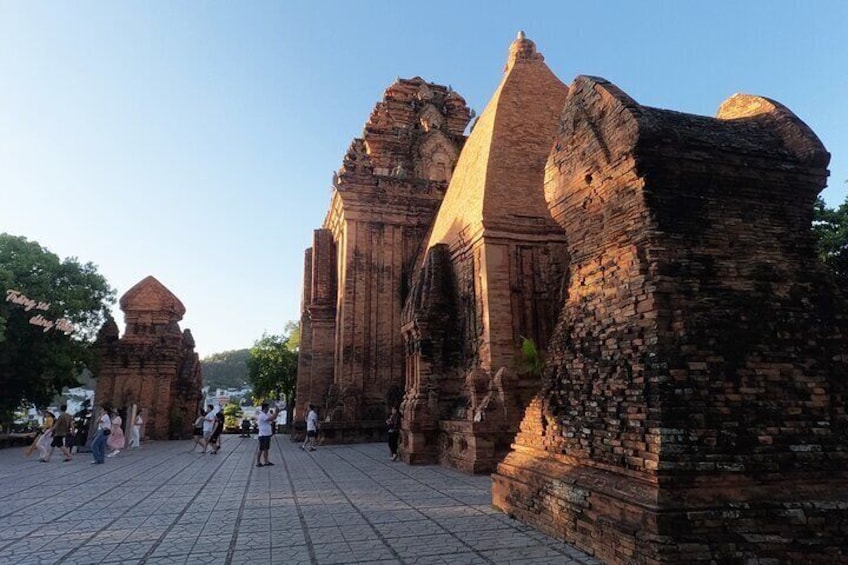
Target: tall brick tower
[(385, 196)]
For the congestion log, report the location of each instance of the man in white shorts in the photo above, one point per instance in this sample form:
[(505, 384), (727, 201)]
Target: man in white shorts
[(264, 418)]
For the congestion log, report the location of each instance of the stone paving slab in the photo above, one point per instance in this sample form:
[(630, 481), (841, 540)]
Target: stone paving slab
[(341, 505)]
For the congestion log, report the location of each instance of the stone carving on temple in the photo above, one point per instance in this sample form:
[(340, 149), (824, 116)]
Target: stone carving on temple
[(430, 118), (437, 157), (153, 366)]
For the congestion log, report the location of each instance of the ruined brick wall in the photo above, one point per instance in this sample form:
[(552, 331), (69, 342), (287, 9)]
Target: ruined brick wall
[(692, 409), (186, 388)]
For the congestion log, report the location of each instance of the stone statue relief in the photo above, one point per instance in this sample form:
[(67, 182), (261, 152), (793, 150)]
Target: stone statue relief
[(437, 157)]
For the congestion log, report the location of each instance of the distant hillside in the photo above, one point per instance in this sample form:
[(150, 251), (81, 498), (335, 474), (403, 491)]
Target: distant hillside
[(225, 370)]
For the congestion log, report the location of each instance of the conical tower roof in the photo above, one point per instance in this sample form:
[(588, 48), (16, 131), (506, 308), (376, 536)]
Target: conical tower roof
[(149, 295), (499, 178)]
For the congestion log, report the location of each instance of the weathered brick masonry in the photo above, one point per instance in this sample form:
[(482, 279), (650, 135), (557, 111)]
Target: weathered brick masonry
[(693, 405)]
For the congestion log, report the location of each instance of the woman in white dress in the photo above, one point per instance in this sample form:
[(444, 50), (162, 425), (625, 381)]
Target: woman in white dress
[(46, 438), (135, 434)]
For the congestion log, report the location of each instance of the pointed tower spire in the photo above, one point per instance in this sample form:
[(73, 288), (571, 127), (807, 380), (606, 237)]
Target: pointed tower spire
[(499, 177), (522, 49)]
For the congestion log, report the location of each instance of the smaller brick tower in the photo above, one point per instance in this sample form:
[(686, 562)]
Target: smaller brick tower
[(153, 366)]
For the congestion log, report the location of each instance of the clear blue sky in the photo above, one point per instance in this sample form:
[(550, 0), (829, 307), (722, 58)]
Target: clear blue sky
[(196, 141)]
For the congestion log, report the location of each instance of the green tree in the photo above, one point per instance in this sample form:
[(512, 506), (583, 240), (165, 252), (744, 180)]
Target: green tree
[(232, 413), (292, 330), (272, 368), (225, 370), (830, 226), (36, 363)]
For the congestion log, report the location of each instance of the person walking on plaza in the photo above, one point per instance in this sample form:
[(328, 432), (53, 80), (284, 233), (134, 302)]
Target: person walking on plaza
[(61, 430), (198, 430), (208, 426), (393, 425), (217, 430), (104, 428), (44, 441), (135, 434), (116, 440), (264, 418), (311, 429)]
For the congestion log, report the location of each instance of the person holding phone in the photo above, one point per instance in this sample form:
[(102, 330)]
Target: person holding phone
[(264, 418)]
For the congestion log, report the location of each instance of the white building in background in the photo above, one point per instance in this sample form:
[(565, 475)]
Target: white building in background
[(74, 397), (221, 397)]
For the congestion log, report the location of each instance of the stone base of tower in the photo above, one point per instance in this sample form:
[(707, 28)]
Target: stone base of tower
[(336, 433), (622, 519), (473, 447), (419, 447)]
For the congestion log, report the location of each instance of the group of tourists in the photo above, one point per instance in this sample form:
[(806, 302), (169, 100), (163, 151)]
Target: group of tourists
[(55, 432), (58, 431), (265, 417), (110, 434), (309, 444), (208, 428)]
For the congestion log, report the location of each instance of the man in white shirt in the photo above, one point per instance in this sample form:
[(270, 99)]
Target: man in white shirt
[(311, 429), (264, 419)]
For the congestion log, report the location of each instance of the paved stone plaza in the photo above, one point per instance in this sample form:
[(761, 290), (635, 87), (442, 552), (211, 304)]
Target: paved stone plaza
[(340, 504)]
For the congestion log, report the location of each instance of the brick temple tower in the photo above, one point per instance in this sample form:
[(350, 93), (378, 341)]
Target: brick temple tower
[(356, 274), (489, 276), (153, 367), (693, 405)]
